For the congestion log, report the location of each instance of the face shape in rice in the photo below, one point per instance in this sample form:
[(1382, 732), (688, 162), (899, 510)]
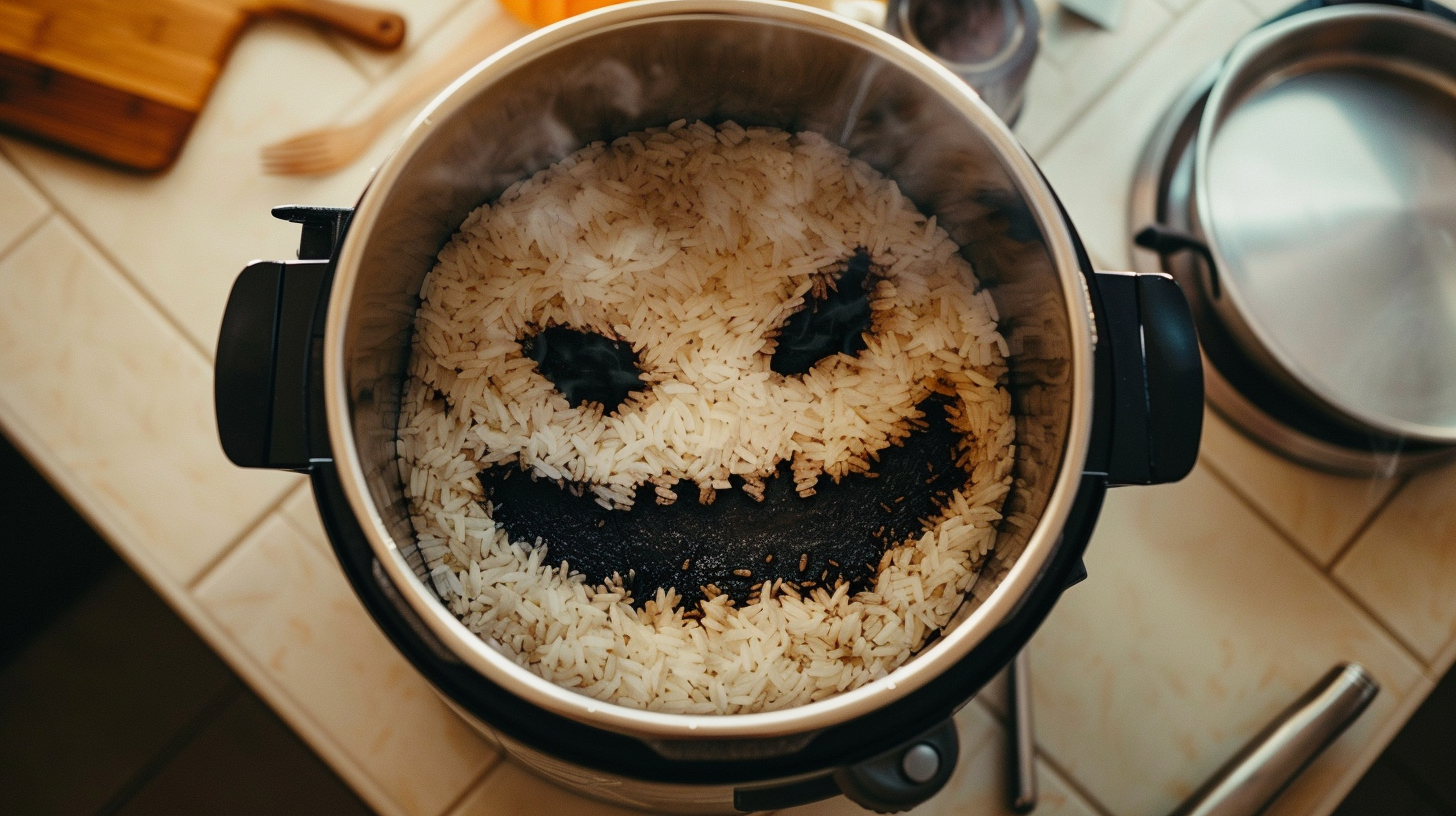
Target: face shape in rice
[(732, 365)]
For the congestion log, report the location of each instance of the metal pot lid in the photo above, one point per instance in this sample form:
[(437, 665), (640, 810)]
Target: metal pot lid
[(1327, 189)]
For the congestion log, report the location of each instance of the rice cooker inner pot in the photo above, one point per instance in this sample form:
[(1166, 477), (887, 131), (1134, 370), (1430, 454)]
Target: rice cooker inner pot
[(582, 83), (1118, 402)]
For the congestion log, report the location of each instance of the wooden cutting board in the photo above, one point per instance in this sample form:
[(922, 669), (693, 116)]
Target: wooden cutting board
[(123, 80)]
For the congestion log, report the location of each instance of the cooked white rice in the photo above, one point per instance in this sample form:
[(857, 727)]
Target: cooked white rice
[(694, 244)]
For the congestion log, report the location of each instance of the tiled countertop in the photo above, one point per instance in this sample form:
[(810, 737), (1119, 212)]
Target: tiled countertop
[(1212, 603)]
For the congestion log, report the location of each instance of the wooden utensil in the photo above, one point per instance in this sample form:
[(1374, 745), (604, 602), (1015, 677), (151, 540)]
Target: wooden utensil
[(124, 80), (329, 148)]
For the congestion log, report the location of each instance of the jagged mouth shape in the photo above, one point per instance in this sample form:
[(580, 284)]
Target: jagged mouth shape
[(736, 544), (544, 97)]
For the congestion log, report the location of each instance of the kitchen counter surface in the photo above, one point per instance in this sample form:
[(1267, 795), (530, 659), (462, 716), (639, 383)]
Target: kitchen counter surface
[(1211, 603)]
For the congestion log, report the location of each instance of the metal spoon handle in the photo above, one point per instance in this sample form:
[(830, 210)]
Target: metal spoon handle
[(1262, 769)]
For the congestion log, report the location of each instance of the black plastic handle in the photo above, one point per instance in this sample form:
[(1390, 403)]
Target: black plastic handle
[(906, 776), (1157, 415), (260, 388), (266, 350), (890, 782)]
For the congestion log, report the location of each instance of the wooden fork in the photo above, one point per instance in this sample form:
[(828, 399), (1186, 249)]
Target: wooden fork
[(330, 148)]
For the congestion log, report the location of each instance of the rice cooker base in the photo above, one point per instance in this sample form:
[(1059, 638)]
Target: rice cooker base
[(695, 778)]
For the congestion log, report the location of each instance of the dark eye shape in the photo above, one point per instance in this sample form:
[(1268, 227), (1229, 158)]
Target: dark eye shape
[(585, 367), (829, 325)]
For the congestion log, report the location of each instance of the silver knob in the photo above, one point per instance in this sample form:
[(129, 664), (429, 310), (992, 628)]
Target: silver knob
[(921, 763)]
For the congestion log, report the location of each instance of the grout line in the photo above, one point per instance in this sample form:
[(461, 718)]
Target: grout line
[(1174, 18), (1380, 621), (1003, 719), (1072, 782), (334, 41), (1441, 664), (406, 53), (1178, 17), (174, 747), (997, 714), (1269, 518), (233, 544), (474, 784), (27, 233), (95, 245), (1263, 15), (29, 230), (1365, 525), (1330, 579)]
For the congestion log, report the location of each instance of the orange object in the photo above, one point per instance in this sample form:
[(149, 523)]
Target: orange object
[(546, 12), (123, 80)]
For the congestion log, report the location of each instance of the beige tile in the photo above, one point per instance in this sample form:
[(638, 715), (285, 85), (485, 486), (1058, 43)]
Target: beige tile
[(1319, 511), (1197, 625), (995, 696), (185, 234), (510, 791), (1080, 61), (281, 595), (1091, 168), (1268, 9), (300, 509), (1177, 6), (422, 18), (481, 28), (979, 785), (21, 207), (1404, 566), (115, 396)]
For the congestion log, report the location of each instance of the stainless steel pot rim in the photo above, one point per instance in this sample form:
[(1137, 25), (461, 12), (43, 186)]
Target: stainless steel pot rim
[(501, 669), (1221, 101)]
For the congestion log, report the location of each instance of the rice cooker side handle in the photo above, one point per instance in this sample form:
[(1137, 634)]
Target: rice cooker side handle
[(1157, 378), (265, 367)]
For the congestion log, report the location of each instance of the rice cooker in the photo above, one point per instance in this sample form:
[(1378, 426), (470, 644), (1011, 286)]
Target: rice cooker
[(1104, 375)]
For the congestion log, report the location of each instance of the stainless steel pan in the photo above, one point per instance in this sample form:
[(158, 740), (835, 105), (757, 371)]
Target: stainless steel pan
[(1324, 181), (1248, 183)]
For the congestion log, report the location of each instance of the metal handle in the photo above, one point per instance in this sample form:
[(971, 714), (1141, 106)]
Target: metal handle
[(1263, 768), (1166, 241), (1023, 736)]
